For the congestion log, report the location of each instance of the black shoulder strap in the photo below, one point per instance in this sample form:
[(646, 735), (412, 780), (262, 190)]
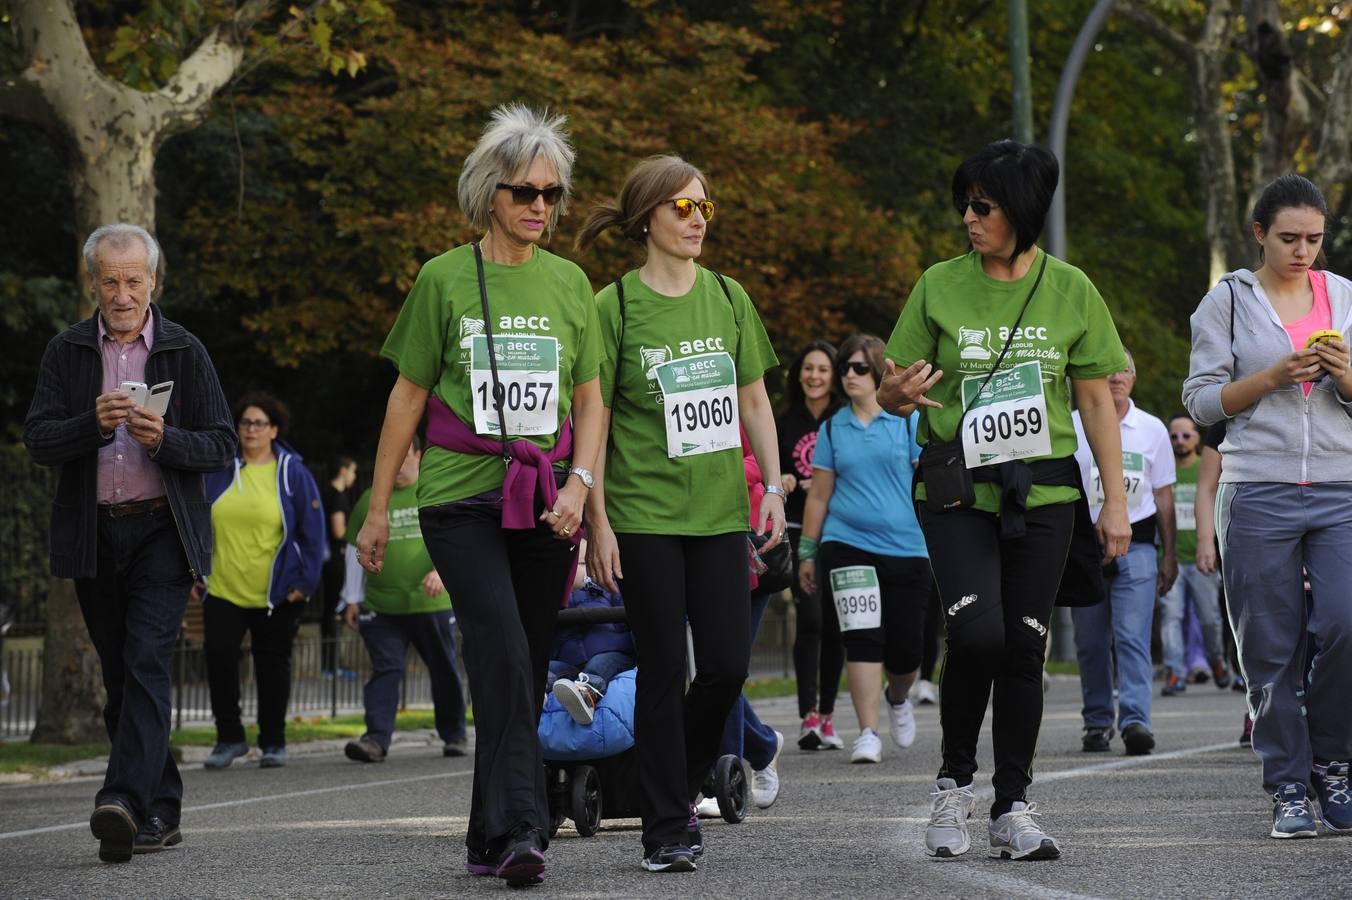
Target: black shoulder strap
[(1231, 286), (499, 392), (619, 346), (723, 283)]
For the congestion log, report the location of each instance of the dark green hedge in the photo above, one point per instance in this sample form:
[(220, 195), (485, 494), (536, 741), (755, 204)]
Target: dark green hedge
[(28, 490)]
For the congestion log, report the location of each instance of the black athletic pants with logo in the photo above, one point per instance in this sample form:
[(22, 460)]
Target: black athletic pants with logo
[(669, 580), (997, 598)]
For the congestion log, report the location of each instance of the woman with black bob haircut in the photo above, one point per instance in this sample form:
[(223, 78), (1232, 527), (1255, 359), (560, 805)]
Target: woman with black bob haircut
[(1013, 329)]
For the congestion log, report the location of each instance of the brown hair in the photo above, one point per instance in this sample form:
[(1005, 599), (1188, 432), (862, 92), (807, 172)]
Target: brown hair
[(648, 185), (873, 352)]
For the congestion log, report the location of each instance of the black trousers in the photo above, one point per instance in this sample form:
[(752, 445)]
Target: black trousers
[(997, 597), (668, 581), (271, 637), (930, 656), (133, 609), (904, 583), (507, 588), (812, 655)]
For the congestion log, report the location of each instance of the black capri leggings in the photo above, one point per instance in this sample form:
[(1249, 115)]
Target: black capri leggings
[(904, 584)]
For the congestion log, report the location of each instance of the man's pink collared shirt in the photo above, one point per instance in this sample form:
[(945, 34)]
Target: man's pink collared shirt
[(126, 471)]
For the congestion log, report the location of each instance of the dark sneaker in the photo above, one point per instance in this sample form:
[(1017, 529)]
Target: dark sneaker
[(1095, 740), (522, 864), (114, 826), (272, 758), (694, 838), (457, 747), (481, 862), (155, 836), (1173, 684), (363, 749), (1246, 736), (1199, 675), (223, 754), (1291, 814), (670, 859), (1335, 802), (1138, 740), (1220, 673)]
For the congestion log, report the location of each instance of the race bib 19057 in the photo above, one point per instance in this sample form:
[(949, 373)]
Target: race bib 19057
[(699, 404), (858, 598), (1008, 419), (528, 370)]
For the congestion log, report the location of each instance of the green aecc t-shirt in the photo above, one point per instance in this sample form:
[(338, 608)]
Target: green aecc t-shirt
[(648, 491), (546, 297), (1185, 512), (397, 590), (958, 318)]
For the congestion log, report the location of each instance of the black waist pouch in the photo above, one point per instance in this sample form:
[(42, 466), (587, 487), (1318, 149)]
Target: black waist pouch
[(948, 481)]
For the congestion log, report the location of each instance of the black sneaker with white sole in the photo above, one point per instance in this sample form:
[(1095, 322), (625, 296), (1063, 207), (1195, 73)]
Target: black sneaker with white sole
[(679, 858)]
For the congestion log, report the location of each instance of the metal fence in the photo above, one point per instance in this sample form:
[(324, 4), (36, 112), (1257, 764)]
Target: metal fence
[(314, 693)]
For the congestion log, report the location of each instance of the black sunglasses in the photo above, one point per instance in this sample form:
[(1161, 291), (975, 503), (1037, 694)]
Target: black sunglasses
[(525, 194), (858, 368), (979, 206)]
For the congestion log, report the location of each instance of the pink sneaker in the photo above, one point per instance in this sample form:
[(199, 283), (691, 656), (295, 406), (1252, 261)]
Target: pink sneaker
[(830, 740), (810, 734)]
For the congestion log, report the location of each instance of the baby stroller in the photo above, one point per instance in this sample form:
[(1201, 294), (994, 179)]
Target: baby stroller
[(592, 770)]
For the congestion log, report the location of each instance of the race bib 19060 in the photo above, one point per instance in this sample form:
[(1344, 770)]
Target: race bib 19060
[(528, 370), (858, 598), (699, 403), (1008, 419)]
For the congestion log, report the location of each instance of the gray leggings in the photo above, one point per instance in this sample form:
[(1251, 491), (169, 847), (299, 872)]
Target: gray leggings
[(1271, 532)]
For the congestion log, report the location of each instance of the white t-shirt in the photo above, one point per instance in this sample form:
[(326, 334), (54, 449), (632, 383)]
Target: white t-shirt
[(1147, 463)]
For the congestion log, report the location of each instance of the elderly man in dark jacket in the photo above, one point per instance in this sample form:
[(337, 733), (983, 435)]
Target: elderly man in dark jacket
[(130, 521)]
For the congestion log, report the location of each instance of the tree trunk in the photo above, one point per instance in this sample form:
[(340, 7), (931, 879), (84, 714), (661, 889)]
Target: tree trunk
[(71, 711)]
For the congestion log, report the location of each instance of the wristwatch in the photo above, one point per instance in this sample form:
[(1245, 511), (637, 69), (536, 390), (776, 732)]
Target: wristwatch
[(585, 474), (776, 489)]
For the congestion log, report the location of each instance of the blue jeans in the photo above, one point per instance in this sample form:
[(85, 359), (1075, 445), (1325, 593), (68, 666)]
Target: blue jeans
[(599, 669), (1203, 592), (387, 638), (1119, 626), (744, 734), (134, 609)]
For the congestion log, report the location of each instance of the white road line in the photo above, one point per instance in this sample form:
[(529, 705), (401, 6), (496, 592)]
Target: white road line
[(1017, 886), (6, 835)]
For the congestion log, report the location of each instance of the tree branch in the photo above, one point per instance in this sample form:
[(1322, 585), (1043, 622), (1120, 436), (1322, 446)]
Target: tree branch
[(49, 37), (1173, 40), (1334, 160), (183, 101)]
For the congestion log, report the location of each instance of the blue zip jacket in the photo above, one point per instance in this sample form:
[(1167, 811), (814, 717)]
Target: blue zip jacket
[(304, 547), (575, 645)]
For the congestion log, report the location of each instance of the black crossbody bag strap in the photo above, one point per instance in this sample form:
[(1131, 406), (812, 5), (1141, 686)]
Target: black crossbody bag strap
[(499, 392)]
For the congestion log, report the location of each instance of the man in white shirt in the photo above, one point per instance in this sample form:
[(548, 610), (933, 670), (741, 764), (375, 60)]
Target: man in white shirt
[(1118, 630)]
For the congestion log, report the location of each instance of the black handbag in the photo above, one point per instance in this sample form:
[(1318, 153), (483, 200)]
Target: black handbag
[(778, 563), (943, 466)]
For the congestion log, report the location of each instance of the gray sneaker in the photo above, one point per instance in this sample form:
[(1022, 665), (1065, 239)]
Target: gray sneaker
[(950, 807), (223, 754), (1016, 836)]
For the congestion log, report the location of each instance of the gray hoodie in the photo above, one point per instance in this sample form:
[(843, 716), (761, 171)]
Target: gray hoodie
[(1285, 436)]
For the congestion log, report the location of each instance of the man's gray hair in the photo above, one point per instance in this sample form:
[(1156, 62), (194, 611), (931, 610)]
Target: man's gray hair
[(119, 236), (515, 137)]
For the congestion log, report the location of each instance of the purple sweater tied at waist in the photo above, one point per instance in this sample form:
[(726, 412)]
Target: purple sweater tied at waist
[(530, 471)]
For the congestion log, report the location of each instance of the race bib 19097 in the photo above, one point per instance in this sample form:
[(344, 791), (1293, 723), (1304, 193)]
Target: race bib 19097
[(1185, 506), (1133, 479), (528, 370), (858, 598), (699, 404), (1007, 420)]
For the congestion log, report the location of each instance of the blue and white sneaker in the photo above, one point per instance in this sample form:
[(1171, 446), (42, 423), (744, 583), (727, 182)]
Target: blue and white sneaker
[(1331, 785), (679, 858), (1291, 814)]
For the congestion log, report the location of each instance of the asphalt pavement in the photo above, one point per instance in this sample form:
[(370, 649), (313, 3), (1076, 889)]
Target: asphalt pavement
[(1189, 821)]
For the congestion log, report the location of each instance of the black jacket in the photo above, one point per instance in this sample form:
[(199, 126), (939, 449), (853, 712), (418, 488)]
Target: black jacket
[(62, 430)]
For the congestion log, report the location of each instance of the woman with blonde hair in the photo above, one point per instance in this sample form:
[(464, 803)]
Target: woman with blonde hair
[(497, 342), (683, 355)]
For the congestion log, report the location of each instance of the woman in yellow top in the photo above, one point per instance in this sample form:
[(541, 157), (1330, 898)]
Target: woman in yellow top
[(268, 530)]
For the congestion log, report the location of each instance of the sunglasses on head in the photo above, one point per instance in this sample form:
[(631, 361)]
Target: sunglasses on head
[(525, 194), (858, 368), (979, 206), (685, 207)]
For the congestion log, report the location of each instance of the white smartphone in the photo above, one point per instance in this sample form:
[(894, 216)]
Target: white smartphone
[(154, 398), (136, 390)]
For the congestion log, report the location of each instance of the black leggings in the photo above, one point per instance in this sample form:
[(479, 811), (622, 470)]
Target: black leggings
[(668, 581), (506, 587), (904, 583), (930, 657), (997, 597), (810, 654)]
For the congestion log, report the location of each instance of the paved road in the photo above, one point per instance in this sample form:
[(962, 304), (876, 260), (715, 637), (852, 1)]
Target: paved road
[(1189, 821)]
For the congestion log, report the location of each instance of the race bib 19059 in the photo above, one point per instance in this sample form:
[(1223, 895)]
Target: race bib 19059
[(1008, 419), (528, 370), (699, 404), (858, 598)]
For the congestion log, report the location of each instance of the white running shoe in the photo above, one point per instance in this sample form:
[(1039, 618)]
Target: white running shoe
[(579, 698), (707, 808), (1016, 836), (765, 782), (924, 693), (831, 740), (868, 747), (903, 723), (950, 807)]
